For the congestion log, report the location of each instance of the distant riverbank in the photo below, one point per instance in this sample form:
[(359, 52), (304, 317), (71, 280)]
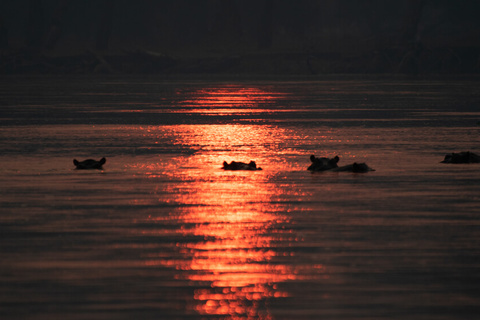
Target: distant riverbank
[(391, 61)]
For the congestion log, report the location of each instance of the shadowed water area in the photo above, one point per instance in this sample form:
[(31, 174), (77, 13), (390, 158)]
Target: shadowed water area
[(163, 232)]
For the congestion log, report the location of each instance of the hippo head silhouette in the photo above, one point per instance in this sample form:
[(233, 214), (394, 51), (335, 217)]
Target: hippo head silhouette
[(89, 163), (322, 164)]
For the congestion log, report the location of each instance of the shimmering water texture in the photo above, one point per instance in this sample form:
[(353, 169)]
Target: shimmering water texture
[(162, 232)]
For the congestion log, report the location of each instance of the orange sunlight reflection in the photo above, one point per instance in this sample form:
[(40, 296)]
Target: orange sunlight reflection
[(229, 100), (238, 252), (238, 224)]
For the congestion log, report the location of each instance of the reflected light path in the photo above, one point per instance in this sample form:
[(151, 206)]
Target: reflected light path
[(243, 226), (164, 232), (236, 255), (230, 100)]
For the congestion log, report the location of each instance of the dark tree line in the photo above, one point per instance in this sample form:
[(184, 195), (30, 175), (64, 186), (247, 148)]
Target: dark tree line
[(394, 34)]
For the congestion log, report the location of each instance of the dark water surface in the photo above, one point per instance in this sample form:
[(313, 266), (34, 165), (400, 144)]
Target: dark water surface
[(163, 233)]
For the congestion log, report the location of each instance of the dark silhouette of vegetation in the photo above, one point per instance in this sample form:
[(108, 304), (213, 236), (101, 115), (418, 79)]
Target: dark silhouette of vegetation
[(56, 25), (3, 34), (104, 24), (265, 24), (247, 36), (35, 24)]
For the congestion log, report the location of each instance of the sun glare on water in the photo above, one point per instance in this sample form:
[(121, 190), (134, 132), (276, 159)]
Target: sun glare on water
[(241, 258)]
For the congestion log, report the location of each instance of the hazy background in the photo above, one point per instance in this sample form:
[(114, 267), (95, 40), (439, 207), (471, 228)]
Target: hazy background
[(261, 36)]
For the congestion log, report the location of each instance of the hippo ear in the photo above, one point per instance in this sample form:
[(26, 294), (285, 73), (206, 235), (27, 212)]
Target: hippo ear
[(75, 162), (336, 159), (312, 158), (102, 161)]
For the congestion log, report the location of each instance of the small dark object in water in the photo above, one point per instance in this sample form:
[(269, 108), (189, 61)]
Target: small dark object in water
[(234, 165), (322, 164), (326, 164), (462, 157), (355, 167), (89, 163)]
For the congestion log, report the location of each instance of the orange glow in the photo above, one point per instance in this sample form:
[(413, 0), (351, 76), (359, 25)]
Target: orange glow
[(237, 260), (235, 256), (230, 100)]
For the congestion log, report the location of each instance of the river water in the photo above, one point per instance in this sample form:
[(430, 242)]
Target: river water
[(162, 232)]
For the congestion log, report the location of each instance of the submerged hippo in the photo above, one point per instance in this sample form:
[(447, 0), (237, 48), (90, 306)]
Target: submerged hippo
[(326, 164), (89, 163), (234, 165), (322, 164), (462, 157)]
